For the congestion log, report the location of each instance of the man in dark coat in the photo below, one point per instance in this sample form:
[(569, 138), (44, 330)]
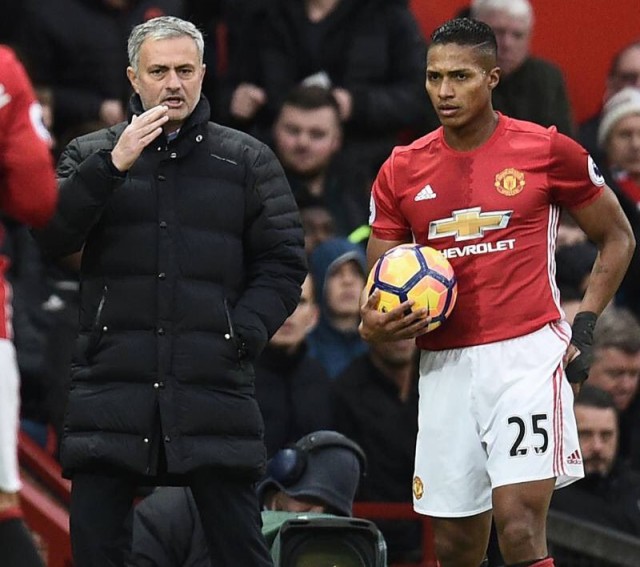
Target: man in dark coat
[(193, 256)]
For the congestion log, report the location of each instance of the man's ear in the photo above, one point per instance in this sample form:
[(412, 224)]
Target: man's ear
[(133, 79), (494, 77)]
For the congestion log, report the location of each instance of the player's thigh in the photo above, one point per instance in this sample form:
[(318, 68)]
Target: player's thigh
[(450, 465), (525, 412), (9, 410)]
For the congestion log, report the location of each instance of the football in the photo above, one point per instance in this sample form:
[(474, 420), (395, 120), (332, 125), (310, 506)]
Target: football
[(420, 273)]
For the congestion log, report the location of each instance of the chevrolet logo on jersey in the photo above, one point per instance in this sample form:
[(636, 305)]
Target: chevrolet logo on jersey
[(467, 224)]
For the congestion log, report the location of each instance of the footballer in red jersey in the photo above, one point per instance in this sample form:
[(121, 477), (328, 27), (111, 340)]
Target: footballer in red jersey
[(27, 194), (496, 429)]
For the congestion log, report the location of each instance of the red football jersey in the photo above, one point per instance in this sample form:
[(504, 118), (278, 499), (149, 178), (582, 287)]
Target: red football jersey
[(27, 180), (493, 212)]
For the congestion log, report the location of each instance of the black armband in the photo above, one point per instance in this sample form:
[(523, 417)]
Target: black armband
[(582, 338)]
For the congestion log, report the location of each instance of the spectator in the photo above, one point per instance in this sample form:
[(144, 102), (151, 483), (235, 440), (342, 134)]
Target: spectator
[(609, 493), (317, 222), (307, 137), (292, 388), (166, 528), (192, 257), (529, 88), (370, 53), (338, 269), (619, 138), (76, 49), (623, 72), (616, 369), (27, 195), (375, 403)]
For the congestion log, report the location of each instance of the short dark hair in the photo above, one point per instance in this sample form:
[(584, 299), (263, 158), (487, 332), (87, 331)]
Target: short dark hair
[(594, 397), (466, 31), (311, 97), (615, 61)]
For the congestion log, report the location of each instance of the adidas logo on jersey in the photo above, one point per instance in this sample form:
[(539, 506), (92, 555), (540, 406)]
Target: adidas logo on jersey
[(425, 193), (574, 458)]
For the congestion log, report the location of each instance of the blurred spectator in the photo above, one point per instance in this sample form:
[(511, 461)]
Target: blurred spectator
[(529, 88), (609, 493), (292, 388), (307, 136), (317, 222), (574, 264), (619, 138), (77, 49), (623, 72), (376, 404), (339, 271), (370, 53), (166, 527), (616, 369), (569, 232)]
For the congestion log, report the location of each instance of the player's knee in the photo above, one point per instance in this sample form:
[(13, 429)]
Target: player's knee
[(519, 533)]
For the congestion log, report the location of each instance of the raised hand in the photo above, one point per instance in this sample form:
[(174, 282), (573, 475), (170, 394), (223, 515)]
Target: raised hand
[(138, 135)]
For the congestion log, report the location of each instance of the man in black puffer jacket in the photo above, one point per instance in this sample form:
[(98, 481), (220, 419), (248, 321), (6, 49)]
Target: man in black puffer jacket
[(193, 256)]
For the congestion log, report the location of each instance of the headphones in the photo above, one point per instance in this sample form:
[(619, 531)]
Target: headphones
[(288, 465)]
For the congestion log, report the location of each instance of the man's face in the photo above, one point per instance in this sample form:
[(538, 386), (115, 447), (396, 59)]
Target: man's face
[(627, 72), (616, 372), (307, 140), (457, 83), (318, 226), (300, 323), (513, 34), (170, 73), (623, 145), (343, 288), (598, 433), (282, 502)]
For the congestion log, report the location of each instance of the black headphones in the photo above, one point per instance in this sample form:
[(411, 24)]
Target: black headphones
[(288, 465)]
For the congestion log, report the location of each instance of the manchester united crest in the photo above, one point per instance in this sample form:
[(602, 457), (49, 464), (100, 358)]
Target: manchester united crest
[(510, 182), (418, 487)]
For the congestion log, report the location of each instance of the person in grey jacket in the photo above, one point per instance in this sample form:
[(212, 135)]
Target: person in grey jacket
[(192, 257)]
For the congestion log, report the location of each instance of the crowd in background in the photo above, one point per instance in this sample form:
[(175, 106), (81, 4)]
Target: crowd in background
[(332, 86)]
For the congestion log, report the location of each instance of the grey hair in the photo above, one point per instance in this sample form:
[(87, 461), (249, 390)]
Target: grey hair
[(164, 27), (516, 8)]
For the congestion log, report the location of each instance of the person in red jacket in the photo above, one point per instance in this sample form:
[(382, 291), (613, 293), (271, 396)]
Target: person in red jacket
[(28, 195)]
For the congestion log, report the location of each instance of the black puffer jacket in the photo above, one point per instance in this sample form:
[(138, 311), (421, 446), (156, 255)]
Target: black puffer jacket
[(191, 262)]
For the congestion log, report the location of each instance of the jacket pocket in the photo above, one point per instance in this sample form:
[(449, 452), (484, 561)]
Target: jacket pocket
[(98, 328), (232, 336)]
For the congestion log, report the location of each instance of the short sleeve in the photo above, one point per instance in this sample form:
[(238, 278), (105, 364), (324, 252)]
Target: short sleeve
[(574, 177), (385, 216)]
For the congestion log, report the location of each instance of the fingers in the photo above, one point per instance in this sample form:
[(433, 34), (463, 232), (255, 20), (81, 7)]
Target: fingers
[(142, 130)]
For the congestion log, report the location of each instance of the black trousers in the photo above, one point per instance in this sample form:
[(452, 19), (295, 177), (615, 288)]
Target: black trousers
[(229, 511)]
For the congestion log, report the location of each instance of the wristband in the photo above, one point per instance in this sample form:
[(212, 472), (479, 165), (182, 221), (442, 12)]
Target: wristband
[(582, 338)]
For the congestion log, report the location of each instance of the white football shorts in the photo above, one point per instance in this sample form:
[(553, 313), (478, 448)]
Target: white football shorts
[(9, 415), (492, 415)]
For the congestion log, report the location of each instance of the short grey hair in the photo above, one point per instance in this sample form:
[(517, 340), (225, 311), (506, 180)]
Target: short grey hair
[(164, 27), (515, 8), (617, 328)]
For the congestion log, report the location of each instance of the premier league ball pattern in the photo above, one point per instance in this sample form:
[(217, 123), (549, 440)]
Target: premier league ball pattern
[(420, 273)]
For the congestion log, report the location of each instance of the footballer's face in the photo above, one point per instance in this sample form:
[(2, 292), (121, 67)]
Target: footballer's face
[(460, 79)]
